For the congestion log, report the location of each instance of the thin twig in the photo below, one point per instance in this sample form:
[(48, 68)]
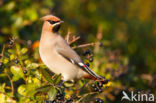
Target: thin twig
[(83, 96), (2, 53), (12, 85), (74, 39), (84, 45), (68, 36)]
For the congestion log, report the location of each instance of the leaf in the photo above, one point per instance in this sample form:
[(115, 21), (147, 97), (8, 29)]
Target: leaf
[(22, 89), (57, 79), (43, 88), (24, 50), (17, 73), (12, 56), (46, 75), (52, 93), (32, 65)]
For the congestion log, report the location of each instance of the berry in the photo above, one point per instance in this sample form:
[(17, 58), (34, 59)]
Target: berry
[(105, 82), (96, 89), (88, 51), (59, 94), (25, 71), (1, 64), (46, 101), (91, 59), (101, 44), (11, 43), (100, 90), (16, 61), (88, 64), (93, 85), (69, 101), (54, 101), (97, 100), (101, 101), (100, 84), (59, 98)]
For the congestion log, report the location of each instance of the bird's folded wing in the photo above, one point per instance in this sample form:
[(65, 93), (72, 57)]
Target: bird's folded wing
[(67, 52)]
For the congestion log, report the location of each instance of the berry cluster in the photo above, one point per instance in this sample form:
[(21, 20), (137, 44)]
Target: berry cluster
[(60, 99), (98, 100), (98, 86), (89, 56)]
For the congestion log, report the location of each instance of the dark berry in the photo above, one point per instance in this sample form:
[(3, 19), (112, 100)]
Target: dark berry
[(101, 101), (101, 44), (16, 61), (96, 89), (59, 98), (88, 51), (59, 94), (88, 64), (97, 100), (94, 85), (1, 64), (11, 43), (100, 84), (91, 59), (46, 101), (54, 101), (105, 82), (25, 71), (69, 101), (100, 90)]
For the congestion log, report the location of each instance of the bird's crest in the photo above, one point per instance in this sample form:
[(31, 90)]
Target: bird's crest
[(50, 17)]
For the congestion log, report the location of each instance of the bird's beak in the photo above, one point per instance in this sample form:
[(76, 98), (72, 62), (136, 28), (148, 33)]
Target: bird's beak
[(61, 22), (58, 23)]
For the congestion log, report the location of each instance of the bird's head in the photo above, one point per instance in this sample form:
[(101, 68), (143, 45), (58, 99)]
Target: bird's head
[(52, 23)]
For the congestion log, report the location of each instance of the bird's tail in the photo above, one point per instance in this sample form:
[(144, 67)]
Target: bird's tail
[(93, 75)]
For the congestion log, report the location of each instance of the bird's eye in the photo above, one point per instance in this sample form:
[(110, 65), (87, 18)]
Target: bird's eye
[(51, 22)]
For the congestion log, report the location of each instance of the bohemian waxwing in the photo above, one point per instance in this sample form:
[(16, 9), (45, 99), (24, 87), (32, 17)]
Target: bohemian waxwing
[(58, 56)]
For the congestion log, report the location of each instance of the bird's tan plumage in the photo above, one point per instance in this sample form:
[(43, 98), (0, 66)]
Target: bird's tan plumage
[(58, 56)]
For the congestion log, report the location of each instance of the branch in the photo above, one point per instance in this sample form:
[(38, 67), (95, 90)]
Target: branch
[(12, 86), (2, 53), (74, 39), (83, 96), (84, 45), (68, 36)]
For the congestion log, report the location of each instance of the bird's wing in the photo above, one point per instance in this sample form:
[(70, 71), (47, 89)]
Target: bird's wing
[(67, 52)]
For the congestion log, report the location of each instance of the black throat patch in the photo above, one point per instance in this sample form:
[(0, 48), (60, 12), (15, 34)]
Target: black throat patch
[(56, 28)]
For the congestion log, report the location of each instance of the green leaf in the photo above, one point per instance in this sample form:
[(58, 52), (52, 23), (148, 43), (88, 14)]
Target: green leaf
[(24, 50), (46, 75), (17, 73), (32, 65), (57, 79), (43, 88), (22, 89), (5, 60), (12, 57), (52, 93)]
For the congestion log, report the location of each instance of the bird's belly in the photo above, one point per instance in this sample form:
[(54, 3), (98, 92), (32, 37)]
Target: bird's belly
[(59, 64)]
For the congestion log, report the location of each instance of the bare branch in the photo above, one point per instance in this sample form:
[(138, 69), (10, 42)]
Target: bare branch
[(12, 85), (74, 39), (2, 53), (68, 36), (84, 45)]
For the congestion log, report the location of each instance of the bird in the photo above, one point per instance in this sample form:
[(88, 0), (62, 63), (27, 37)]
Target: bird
[(58, 56)]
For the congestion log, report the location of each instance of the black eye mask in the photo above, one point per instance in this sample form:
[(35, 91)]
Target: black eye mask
[(52, 22)]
